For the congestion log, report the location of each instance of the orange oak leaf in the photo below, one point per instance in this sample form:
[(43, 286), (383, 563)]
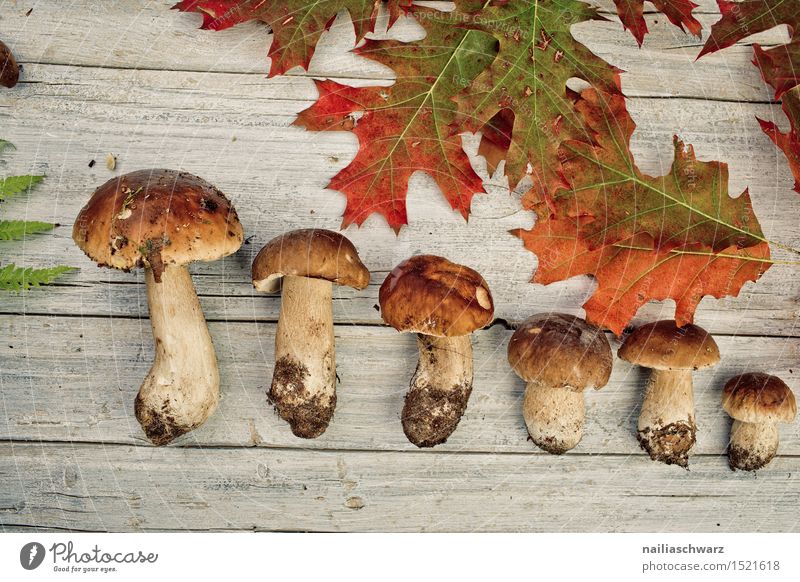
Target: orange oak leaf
[(296, 24), (789, 142), (679, 13), (631, 273), (678, 236), (405, 127), (780, 65)]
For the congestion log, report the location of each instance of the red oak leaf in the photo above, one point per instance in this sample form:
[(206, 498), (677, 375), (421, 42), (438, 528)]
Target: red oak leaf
[(742, 19), (780, 66), (677, 236), (679, 13), (406, 127), (789, 142), (296, 24)]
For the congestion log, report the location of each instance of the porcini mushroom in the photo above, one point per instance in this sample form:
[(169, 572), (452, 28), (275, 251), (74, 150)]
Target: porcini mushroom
[(756, 402), (559, 356), (9, 69), (667, 429), (309, 261), (443, 303), (163, 220)]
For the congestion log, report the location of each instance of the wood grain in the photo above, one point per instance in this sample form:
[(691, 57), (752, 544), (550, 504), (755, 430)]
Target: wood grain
[(115, 488), (74, 379), (135, 79)]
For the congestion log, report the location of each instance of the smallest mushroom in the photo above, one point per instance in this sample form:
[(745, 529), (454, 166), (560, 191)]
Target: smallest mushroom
[(559, 356), (9, 69), (756, 402)]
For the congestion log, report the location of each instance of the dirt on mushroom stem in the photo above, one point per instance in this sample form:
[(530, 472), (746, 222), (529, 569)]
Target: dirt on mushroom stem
[(439, 390), (666, 428), (752, 445), (303, 388), (554, 416), (182, 388)]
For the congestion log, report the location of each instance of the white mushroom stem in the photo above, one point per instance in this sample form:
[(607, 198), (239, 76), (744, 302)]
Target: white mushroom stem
[(667, 426), (182, 389), (440, 389), (554, 416), (752, 445), (304, 380)]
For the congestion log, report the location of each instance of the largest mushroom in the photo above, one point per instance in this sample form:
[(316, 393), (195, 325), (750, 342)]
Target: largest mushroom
[(443, 303), (163, 220), (667, 428)]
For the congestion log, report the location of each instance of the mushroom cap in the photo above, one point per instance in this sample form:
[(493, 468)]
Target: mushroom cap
[(9, 69), (433, 296), (562, 351), (756, 397), (662, 345), (154, 218), (311, 252)]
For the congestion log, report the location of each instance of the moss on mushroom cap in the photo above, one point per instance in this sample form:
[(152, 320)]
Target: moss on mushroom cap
[(156, 218), (431, 295), (313, 253), (756, 397), (560, 350), (662, 345)]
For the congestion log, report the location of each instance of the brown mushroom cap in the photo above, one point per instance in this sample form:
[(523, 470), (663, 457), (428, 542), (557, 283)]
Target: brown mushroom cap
[(662, 345), (562, 351), (155, 218), (312, 252), (431, 295), (9, 69), (756, 397)]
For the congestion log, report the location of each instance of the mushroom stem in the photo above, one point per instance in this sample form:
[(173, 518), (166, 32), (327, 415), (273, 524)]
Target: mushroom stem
[(667, 427), (752, 445), (182, 388), (303, 387), (439, 390), (554, 416)]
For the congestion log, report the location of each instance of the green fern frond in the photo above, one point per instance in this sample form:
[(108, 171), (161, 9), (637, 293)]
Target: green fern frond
[(17, 184), (19, 229), (13, 278)]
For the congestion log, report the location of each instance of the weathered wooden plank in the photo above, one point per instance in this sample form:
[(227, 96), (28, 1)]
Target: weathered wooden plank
[(132, 34), (119, 488), (188, 120), (74, 379)]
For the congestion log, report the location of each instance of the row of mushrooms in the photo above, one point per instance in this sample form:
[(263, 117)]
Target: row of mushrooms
[(163, 220)]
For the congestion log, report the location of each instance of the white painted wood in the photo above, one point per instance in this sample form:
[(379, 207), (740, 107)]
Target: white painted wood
[(75, 379), (133, 489), (132, 78)]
